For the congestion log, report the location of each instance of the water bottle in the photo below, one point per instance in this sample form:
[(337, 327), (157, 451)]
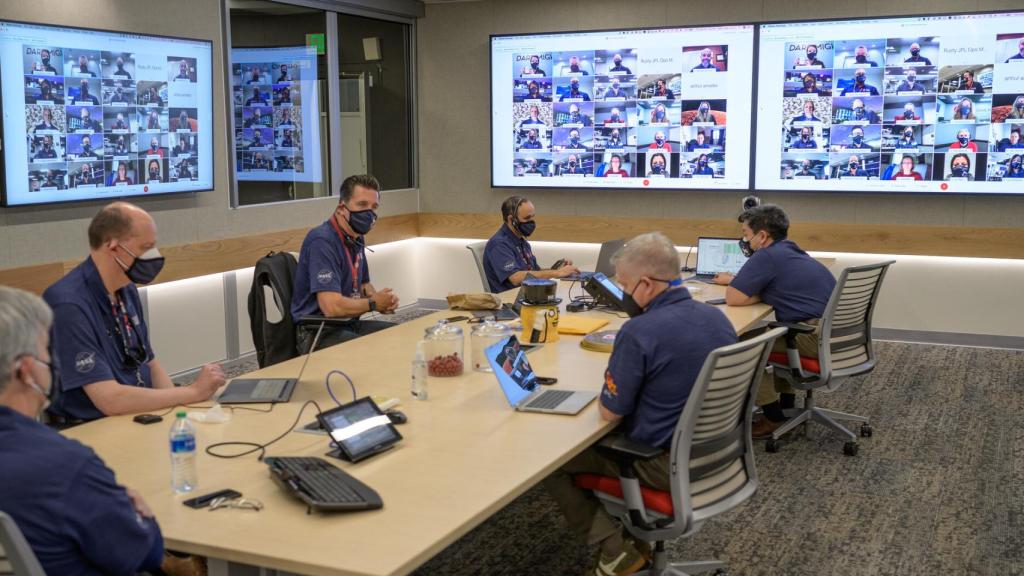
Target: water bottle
[(183, 455), (419, 373)]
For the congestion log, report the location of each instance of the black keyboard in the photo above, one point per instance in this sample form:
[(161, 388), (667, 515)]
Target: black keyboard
[(321, 485), (549, 399)]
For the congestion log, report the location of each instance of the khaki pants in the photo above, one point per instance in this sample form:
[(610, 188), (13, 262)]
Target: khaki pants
[(771, 386), (584, 513)]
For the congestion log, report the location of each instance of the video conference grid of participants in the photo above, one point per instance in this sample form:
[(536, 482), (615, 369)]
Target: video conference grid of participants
[(630, 114), (268, 118), (910, 108), (92, 123)]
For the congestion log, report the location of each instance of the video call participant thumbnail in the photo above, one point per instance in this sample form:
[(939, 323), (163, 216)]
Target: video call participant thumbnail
[(854, 168), (615, 167), (915, 57), (961, 166), (658, 163), (860, 87), (811, 61), (909, 84), (806, 140), (706, 64), (907, 169), (1019, 56), (121, 175), (45, 63), (1015, 167)]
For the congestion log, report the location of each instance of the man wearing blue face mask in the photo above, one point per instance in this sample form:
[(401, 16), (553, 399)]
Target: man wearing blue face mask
[(100, 333), (785, 277), (857, 140), (332, 278), (860, 85), (657, 357), (508, 257)]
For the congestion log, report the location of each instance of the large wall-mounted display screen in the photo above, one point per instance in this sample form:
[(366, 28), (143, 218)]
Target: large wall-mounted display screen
[(925, 104), (89, 114), (664, 108), (277, 127)]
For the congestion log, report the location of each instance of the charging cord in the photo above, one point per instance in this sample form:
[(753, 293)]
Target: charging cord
[(327, 383), (255, 446), (686, 264)]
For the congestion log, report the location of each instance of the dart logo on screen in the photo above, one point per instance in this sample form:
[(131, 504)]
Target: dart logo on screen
[(600, 109), (99, 116), (870, 107)]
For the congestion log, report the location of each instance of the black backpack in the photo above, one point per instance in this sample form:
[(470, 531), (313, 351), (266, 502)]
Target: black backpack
[(275, 341)]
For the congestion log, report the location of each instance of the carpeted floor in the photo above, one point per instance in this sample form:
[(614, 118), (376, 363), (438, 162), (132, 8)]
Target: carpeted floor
[(938, 489)]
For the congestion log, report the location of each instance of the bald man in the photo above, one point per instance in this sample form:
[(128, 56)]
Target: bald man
[(100, 333)]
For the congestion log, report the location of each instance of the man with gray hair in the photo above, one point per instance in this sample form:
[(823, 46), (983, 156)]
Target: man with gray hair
[(657, 356), (60, 494)]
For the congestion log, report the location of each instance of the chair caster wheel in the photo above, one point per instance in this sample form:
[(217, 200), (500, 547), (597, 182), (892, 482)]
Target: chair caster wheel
[(866, 430), (850, 448), (772, 445)]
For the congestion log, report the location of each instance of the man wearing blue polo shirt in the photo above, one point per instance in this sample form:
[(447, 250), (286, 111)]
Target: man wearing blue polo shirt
[(332, 278), (785, 277), (66, 502), (657, 356), (100, 333), (508, 257)]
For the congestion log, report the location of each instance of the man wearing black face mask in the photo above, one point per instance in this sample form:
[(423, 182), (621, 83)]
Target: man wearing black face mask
[(618, 68), (508, 257), (786, 278), (101, 335), (657, 357), (860, 56), (910, 83), (92, 525), (534, 69), (574, 92), (860, 85), (908, 140), (332, 278), (532, 143), (44, 63), (915, 56), (857, 139)]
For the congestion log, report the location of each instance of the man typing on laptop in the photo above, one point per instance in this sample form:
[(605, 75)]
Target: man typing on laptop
[(508, 257), (657, 356), (100, 333)]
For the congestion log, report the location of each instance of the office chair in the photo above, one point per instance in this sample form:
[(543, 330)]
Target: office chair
[(16, 557), (477, 248), (270, 318), (844, 350), (712, 458)]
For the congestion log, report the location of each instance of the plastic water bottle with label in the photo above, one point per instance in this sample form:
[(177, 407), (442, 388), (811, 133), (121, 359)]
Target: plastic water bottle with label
[(183, 455), (419, 373)]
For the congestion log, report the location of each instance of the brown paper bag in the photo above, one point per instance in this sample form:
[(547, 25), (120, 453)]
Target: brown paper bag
[(480, 301)]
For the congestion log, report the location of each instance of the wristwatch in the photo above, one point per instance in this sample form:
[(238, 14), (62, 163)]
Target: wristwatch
[(373, 305)]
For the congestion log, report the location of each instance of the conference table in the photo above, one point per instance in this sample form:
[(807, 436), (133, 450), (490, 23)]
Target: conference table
[(465, 454)]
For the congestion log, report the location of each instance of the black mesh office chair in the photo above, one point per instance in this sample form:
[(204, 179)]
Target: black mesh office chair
[(844, 350), (712, 458)]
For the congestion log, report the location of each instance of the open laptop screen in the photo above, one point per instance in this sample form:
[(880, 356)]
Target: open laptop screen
[(513, 370), (716, 255)]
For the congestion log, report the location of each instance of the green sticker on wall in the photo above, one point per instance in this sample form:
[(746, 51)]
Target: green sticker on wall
[(316, 41)]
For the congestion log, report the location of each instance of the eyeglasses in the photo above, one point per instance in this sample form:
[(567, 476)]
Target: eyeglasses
[(238, 503)]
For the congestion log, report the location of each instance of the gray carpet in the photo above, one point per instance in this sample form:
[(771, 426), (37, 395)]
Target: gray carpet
[(938, 489)]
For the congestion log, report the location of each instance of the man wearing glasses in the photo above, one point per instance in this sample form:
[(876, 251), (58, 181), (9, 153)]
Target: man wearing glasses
[(100, 334)]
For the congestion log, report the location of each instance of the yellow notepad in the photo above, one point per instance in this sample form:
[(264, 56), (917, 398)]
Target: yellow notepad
[(579, 325)]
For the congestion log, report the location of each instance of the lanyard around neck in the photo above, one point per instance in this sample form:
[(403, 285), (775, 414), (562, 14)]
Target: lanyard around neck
[(354, 266)]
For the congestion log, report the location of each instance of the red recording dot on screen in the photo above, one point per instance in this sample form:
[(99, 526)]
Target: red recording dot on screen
[(944, 186), (145, 188), (647, 182)]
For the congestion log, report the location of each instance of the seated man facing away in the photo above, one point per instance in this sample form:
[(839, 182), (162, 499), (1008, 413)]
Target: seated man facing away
[(783, 276), (67, 503), (100, 333), (333, 277), (657, 357), (508, 257)]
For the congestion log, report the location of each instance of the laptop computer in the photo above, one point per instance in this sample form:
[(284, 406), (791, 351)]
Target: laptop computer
[(604, 261), (519, 383), (716, 255), (265, 390)]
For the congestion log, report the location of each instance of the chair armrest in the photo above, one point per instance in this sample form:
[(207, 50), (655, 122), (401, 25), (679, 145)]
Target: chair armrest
[(795, 327), (302, 320), (626, 451)]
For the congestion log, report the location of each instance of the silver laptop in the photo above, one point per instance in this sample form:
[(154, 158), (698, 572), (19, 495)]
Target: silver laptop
[(519, 383), (715, 255), (265, 390), (604, 261)]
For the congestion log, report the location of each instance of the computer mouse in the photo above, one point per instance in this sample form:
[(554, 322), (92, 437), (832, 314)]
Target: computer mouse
[(397, 416)]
